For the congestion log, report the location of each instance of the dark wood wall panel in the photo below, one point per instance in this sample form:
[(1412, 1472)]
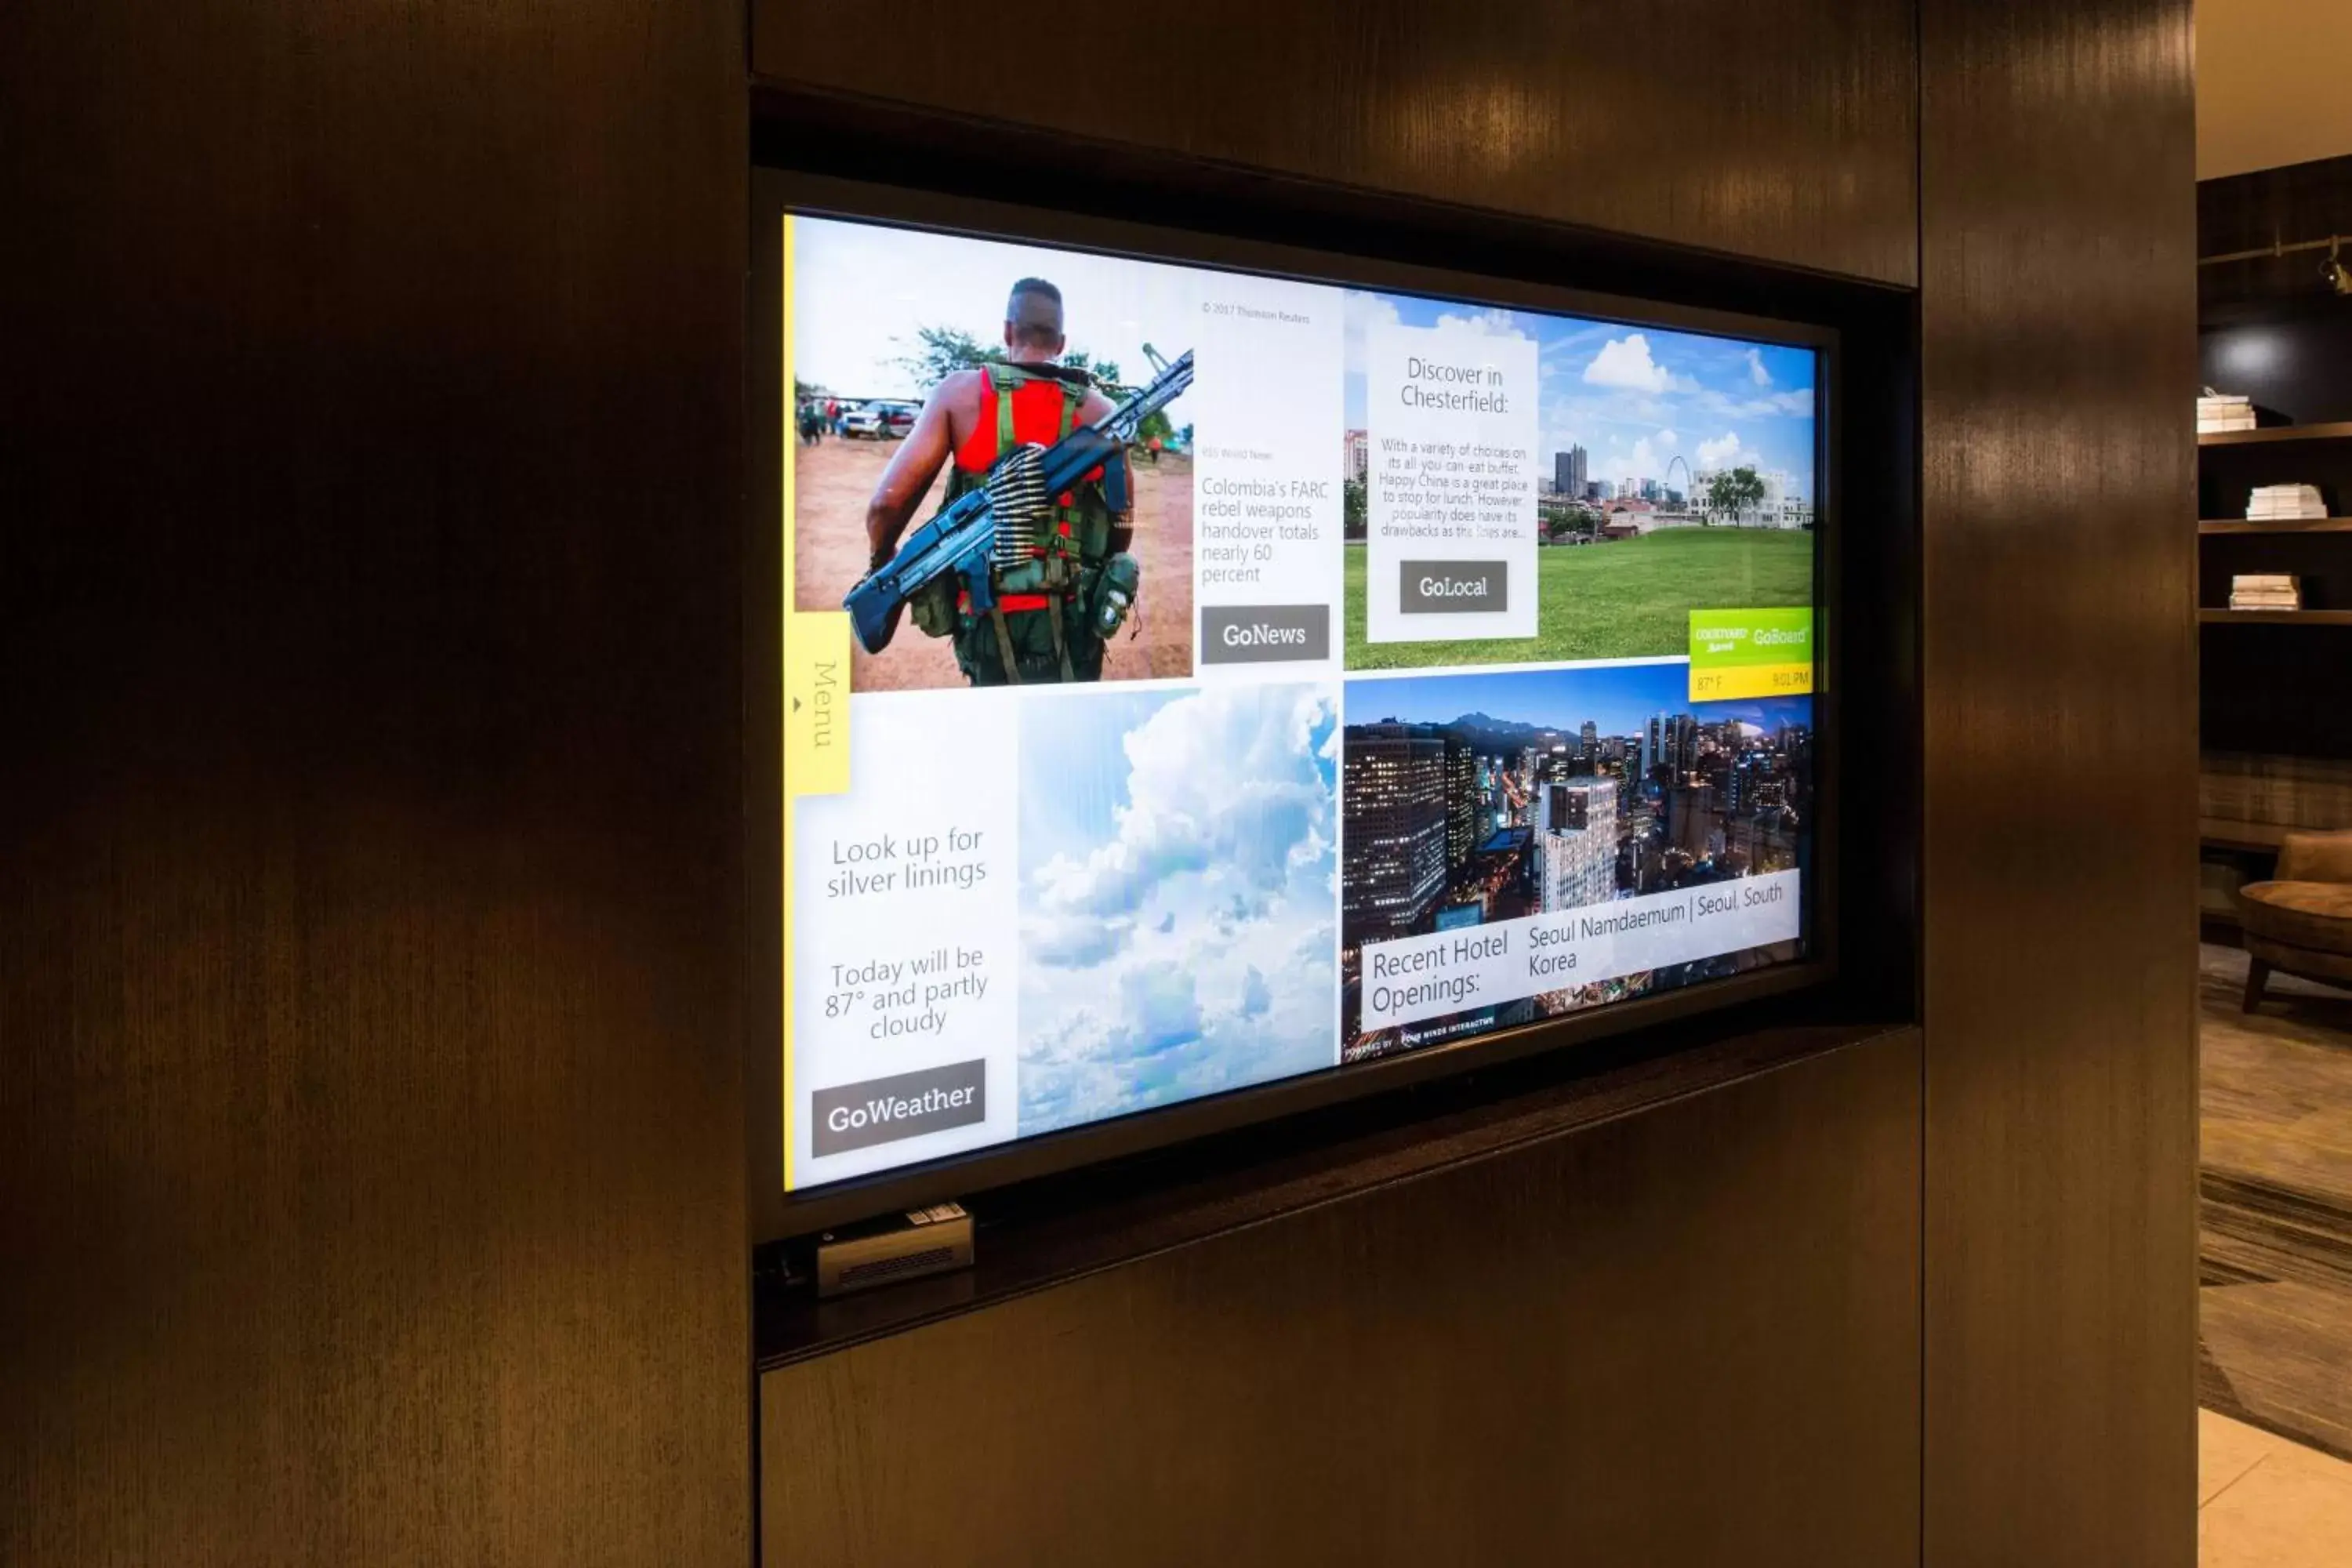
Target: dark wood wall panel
[(1689, 1336), (2058, 310), (1784, 130), (370, 458)]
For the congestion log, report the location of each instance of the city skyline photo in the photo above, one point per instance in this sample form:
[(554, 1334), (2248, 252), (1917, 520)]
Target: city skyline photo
[(1475, 797)]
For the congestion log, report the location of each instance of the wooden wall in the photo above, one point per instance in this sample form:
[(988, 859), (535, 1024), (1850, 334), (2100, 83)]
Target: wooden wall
[(1782, 130), (2049, 233), (2057, 362), (369, 457), (371, 452), (1680, 1336)]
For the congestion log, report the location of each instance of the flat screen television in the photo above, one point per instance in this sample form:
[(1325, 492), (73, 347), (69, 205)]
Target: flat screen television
[(1196, 681)]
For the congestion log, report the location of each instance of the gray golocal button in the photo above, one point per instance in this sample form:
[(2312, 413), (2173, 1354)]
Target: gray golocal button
[(905, 1105), (1265, 634), (1452, 587)]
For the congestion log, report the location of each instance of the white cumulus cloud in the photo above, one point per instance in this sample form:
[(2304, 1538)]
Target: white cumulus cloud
[(1186, 950), (1723, 451), (1625, 362), (1756, 371), (1217, 778)]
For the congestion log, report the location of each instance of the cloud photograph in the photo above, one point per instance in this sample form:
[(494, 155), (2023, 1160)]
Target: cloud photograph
[(1179, 879)]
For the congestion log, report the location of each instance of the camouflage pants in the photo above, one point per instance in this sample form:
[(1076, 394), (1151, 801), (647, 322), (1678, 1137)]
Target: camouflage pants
[(1032, 635)]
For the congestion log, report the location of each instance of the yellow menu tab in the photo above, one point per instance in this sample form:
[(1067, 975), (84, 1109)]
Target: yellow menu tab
[(816, 702)]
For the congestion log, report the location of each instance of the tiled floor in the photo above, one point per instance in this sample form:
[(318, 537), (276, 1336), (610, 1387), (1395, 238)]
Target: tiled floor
[(2265, 1502)]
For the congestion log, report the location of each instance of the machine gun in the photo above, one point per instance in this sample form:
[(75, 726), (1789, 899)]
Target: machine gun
[(999, 524)]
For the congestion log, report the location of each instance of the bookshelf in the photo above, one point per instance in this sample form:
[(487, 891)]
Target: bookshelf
[(2257, 698), (2270, 433), (2234, 464), (2282, 525), (2277, 618)]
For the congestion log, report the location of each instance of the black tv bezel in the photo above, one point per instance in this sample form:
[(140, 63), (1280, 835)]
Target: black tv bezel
[(778, 1215)]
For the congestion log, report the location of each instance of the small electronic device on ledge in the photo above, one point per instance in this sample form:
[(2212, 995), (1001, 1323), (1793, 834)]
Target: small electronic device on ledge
[(881, 1251)]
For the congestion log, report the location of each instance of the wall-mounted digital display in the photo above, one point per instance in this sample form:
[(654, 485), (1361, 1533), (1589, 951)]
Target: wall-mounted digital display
[(1195, 680)]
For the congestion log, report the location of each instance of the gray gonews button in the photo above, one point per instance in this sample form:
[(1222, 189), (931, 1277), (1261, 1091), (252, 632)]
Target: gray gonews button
[(905, 1105), (1452, 587), (1265, 634)]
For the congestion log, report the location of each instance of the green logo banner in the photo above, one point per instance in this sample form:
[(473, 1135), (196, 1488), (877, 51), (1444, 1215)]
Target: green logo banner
[(1751, 653)]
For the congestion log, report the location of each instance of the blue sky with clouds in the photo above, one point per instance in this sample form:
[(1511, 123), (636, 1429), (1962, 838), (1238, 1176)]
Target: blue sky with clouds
[(1633, 397), (1178, 888), (1620, 699)]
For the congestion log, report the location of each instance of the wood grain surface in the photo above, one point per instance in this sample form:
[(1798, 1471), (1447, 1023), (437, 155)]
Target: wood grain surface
[(372, 1121), (372, 446), (2058, 363), (1785, 131), (1688, 1336)]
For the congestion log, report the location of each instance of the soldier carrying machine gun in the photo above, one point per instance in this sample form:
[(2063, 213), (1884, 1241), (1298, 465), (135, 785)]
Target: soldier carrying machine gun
[(1026, 567)]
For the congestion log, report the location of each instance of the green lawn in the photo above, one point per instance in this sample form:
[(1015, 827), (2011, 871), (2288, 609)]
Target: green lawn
[(1631, 598)]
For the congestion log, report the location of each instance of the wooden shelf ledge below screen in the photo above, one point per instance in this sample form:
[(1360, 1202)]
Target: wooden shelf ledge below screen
[(2277, 618), (2340, 432), (2282, 525)]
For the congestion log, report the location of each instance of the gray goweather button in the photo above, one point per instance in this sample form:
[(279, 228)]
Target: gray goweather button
[(1265, 634), (905, 1105), (1452, 587)]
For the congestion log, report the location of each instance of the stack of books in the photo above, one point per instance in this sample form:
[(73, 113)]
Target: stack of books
[(2275, 503), (2218, 411), (2265, 591)]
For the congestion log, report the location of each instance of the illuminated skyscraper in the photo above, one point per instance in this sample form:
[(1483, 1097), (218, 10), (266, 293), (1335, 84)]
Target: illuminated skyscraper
[(1575, 845), (1393, 826), (1682, 751), (1461, 816)]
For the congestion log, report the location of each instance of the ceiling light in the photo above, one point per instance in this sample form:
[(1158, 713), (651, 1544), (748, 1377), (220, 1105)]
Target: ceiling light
[(2339, 277)]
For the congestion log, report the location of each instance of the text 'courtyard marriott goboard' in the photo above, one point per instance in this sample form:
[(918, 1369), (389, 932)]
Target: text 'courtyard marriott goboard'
[(1197, 679)]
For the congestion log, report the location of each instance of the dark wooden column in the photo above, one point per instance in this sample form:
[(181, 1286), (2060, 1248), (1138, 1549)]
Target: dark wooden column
[(2058, 313), (369, 457)]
